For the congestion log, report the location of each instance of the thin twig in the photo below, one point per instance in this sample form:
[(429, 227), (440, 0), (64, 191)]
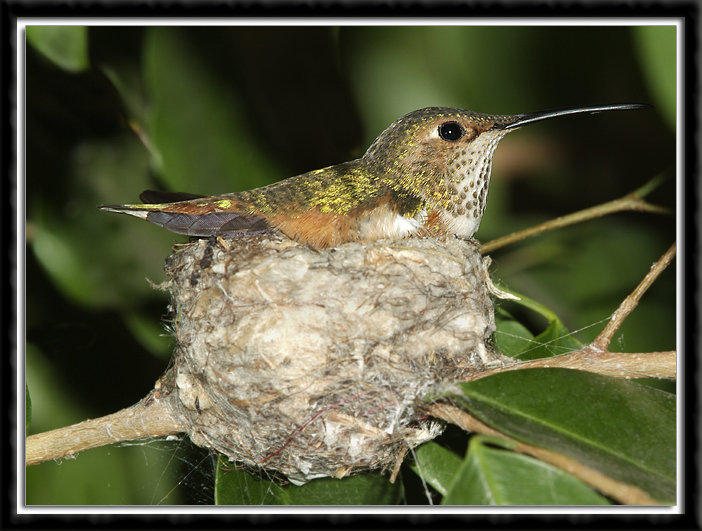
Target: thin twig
[(631, 201), (617, 490), (604, 339)]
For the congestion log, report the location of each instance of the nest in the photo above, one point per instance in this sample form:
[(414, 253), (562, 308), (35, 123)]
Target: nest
[(317, 363)]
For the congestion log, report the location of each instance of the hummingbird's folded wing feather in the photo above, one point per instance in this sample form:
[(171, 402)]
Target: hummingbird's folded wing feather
[(224, 224), (196, 216)]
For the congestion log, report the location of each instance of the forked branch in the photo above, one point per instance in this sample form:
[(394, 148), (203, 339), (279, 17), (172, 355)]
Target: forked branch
[(603, 340), (597, 358)]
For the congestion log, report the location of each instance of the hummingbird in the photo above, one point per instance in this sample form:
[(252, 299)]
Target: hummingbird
[(427, 174)]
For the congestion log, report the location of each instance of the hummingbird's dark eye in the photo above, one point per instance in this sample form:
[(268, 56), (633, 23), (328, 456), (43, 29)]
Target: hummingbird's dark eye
[(450, 131)]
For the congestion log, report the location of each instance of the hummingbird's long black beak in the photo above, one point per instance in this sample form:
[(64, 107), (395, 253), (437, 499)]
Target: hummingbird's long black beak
[(518, 120)]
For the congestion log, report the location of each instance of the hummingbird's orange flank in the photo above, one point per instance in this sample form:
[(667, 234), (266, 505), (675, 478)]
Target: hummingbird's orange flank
[(425, 175)]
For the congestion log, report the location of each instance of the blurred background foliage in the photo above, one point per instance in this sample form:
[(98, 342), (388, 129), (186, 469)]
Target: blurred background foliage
[(112, 111)]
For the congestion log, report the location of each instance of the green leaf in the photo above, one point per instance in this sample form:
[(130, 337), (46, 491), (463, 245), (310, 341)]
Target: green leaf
[(514, 339), (511, 336), (533, 305), (621, 428), (65, 46), (28, 409), (71, 259), (490, 476), (555, 340), (238, 487), (437, 465), (410, 60)]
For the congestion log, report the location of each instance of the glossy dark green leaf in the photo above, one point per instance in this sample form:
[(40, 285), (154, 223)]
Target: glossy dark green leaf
[(619, 427), (239, 487), (511, 336), (536, 306), (436, 465), (514, 339), (490, 476), (553, 341), (65, 46)]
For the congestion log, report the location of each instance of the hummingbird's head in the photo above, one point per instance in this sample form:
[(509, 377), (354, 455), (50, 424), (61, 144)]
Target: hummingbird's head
[(441, 158)]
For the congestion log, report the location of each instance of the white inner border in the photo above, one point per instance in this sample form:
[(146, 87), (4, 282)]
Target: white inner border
[(19, 117)]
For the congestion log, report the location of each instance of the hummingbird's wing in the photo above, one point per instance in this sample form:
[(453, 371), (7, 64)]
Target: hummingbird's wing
[(321, 208), (195, 215)]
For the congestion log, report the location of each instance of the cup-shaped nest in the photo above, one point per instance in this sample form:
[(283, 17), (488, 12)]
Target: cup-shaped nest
[(318, 363)]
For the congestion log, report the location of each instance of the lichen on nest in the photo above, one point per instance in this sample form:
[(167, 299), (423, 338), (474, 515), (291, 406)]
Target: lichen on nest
[(317, 363)]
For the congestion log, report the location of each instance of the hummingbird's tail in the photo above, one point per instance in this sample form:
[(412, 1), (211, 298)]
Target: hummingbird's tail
[(192, 216)]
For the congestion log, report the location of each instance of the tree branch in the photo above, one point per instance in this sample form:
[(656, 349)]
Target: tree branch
[(151, 417), (616, 364)]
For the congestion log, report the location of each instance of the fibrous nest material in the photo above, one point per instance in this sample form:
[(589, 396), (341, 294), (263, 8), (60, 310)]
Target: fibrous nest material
[(317, 363)]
